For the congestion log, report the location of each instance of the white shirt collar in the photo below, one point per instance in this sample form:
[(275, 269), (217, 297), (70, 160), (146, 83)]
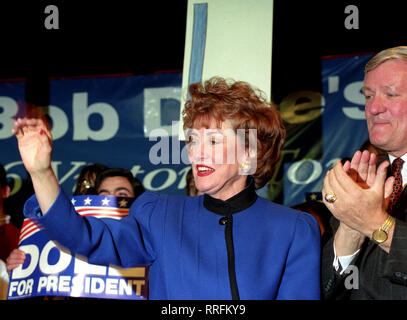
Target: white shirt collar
[(392, 158), (403, 169)]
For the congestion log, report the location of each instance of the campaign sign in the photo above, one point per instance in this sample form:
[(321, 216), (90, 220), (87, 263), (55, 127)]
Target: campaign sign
[(50, 270), (343, 122), (123, 121)]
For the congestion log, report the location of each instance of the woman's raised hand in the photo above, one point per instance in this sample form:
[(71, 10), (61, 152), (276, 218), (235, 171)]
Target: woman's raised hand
[(34, 143), (35, 146)]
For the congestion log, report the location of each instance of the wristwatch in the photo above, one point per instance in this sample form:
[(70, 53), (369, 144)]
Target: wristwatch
[(380, 235)]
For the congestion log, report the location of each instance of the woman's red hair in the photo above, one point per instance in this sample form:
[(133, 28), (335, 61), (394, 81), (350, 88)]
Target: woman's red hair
[(246, 108)]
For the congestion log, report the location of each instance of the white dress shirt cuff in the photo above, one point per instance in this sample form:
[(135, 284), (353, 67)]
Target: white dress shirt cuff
[(343, 261)]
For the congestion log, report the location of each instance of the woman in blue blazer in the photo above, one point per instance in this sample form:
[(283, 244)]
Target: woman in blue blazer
[(225, 244)]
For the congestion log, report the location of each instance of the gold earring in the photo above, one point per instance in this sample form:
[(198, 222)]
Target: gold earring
[(245, 166)]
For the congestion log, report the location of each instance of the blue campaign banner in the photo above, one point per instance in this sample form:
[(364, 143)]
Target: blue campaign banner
[(12, 102), (344, 127), (127, 121), (120, 121), (50, 270)]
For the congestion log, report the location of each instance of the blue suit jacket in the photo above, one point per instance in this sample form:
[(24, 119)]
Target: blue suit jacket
[(277, 249)]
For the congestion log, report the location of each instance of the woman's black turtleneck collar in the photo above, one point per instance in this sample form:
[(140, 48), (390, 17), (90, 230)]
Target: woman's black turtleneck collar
[(239, 202)]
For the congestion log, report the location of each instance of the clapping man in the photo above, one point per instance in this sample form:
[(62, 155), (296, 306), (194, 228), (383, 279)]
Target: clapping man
[(369, 204)]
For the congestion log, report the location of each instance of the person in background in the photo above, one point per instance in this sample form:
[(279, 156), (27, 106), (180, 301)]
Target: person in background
[(228, 243), (9, 233), (118, 182), (111, 181), (85, 184)]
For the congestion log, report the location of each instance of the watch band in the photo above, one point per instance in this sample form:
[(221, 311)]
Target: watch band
[(387, 224)]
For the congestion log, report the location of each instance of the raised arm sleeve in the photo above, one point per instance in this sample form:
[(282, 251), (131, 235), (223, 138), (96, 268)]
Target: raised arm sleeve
[(127, 242)]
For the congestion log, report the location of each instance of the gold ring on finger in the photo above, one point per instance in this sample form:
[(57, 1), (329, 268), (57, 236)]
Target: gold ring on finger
[(330, 197)]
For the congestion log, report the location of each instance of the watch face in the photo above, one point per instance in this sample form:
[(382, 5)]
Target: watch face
[(379, 236)]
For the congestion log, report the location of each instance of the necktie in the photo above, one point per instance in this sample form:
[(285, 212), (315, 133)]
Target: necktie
[(398, 183)]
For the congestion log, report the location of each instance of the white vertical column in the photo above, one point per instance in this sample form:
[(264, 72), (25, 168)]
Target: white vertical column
[(228, 38)]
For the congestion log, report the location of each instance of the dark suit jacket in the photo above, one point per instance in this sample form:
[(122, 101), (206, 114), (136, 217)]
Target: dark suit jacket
[(381, 275)]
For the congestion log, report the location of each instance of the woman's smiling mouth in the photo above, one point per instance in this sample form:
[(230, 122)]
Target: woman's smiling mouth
[(203, 170)]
